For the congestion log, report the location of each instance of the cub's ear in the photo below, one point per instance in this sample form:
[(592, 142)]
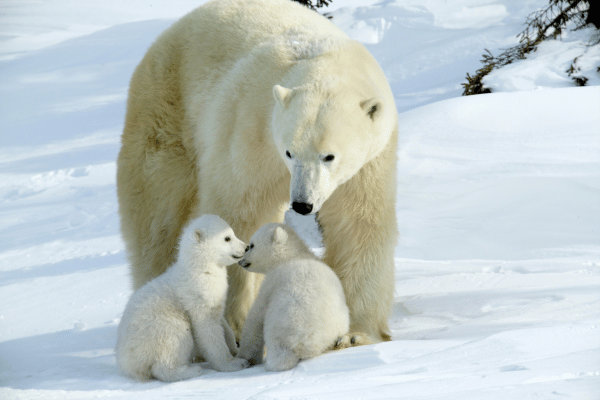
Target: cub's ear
[(372, 107), (282, 95), (199, 235), (279, 235)]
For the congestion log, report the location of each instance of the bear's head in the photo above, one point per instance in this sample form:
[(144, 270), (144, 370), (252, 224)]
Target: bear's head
[(210, 239), (271, 245), (325, 132)]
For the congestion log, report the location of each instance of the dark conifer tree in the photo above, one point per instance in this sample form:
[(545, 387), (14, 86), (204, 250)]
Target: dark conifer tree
[(315, 5), (545, 24)]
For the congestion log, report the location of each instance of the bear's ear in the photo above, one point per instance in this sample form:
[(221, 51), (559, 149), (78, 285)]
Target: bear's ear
[(279, 235), (372, 107), (199, 235), (282, 95)]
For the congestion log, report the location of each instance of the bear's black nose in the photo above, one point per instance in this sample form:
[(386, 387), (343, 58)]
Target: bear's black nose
[(302, 208)]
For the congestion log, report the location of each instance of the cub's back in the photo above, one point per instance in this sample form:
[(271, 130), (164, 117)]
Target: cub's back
[(308, 283), (307, 309)]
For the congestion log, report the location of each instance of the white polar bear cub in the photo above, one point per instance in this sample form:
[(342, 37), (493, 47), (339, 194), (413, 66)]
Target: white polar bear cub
[(300, 310), (179, 315)]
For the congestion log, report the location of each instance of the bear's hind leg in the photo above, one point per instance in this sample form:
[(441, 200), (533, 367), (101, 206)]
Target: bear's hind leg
[(174, 346), (170, 373), (280, 358)]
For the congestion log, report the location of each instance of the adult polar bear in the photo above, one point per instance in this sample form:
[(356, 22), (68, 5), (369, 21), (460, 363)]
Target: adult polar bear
[(244, 106)]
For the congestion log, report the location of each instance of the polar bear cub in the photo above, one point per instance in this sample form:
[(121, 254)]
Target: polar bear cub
[(179, 315), (300, 310)]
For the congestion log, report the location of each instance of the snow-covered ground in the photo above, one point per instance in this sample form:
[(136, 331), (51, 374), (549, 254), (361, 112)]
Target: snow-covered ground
[(497, 268)]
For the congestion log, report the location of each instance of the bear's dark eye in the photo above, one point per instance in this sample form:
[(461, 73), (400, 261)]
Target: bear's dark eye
[(227, 238), (288, 155), (328, 158), (372, 111), (251, 245)]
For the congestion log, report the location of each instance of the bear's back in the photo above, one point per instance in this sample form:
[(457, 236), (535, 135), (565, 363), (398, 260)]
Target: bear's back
[(242, 24), (306, 283)]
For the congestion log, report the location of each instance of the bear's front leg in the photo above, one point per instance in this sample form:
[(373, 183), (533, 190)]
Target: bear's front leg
[(252, 344), (242, 290), (229, 337), (210, 337), (360, 234)]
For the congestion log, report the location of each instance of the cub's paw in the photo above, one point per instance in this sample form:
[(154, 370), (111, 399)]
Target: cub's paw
[(198, 359), (254, 361), (350, 340), (237, 364)]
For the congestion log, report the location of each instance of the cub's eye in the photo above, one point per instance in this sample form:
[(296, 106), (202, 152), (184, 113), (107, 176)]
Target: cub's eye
[(227, 238), (288, 155), (251, 245), (328, 158)]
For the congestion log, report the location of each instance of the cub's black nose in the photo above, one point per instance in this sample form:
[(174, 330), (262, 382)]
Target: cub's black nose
[(302, 208)]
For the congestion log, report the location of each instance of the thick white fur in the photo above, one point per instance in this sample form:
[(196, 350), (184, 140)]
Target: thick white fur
[(300, 310), (214, 108), (179, 315)]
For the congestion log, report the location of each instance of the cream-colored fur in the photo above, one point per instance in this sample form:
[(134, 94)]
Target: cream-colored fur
[(179, 316), (300, 310), (215, 107)]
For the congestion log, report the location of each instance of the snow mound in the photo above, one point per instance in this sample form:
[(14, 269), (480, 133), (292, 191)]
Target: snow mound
[(508, 176)]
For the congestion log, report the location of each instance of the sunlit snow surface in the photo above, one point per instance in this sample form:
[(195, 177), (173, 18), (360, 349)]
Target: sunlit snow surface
[(497, 268)]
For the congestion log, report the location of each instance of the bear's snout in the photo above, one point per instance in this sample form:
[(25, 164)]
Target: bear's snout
[(243, 263), (302, 208)]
